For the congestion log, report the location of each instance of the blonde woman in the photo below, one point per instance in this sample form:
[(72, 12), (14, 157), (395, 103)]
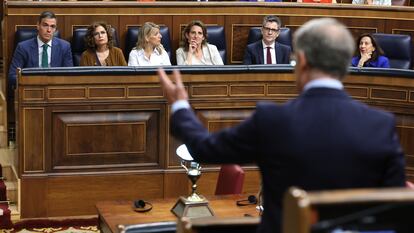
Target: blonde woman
[(149, 50)]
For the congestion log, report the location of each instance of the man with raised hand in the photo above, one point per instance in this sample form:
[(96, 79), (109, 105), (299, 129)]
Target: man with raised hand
[(321, 140)]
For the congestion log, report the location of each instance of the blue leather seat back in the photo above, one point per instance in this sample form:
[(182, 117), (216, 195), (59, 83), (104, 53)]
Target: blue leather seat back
[(217, 37), (397, 48), (23, 34), (78, 43), (132, 37), (285, 36)]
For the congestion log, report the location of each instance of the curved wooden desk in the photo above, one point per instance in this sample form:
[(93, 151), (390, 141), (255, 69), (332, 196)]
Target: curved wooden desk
[(104, 131), (114, 213)]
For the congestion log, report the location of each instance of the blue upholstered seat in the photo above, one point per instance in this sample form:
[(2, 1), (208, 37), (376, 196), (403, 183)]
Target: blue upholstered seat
[(78, 43), (397, 48), (132, 37), (285, 36), (23, 34), (217, 37)]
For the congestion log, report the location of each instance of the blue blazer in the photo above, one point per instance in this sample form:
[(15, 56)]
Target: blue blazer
[(322, 140), (254, 53), (381, 62), (26, 55)]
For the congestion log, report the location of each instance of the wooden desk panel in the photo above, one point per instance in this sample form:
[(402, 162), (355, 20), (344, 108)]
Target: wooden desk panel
[(114, 213), (55, 153)]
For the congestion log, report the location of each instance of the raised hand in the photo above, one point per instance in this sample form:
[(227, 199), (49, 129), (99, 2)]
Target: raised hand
[(364, 57), (173, 92)]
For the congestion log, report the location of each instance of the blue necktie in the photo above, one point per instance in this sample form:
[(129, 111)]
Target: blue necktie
[(44, 56)]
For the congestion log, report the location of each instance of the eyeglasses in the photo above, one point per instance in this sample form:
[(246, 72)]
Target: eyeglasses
[(99, 33), (273, 30)]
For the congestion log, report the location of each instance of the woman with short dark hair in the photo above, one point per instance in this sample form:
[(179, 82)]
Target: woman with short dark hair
[(369, 53)]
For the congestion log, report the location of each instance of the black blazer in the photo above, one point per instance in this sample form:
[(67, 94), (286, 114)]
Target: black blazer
[(254, 53), (322, 140)]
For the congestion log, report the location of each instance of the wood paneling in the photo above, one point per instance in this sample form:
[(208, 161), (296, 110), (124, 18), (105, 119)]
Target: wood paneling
[(237, 18), (33, 140), (67, 93), (119, 148), (36, 205), (105, 138), (389, 94)]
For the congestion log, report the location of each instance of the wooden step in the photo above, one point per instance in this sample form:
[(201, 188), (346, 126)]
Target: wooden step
[(12, 193), (8, 173), (15, 214), (8, 159), (3, 122)]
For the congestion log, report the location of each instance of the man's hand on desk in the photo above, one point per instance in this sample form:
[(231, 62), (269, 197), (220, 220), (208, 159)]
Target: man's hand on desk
[(173, 92)]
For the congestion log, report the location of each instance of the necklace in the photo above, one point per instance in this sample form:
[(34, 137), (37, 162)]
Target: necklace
[(102, 56)]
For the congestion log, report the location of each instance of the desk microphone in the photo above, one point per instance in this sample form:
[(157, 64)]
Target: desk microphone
[(251, 200), (142, 206)]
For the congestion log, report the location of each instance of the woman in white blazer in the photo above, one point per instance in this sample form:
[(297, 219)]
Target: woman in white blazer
[(194, 48)]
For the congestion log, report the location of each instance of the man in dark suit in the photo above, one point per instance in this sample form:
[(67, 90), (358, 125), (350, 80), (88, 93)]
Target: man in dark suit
[(321, 140), (41, 51), (268, 50)]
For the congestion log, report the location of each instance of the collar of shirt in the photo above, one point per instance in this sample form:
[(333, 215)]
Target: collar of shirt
[(272, 46), (324, 82), (40, 43), (141, 52)]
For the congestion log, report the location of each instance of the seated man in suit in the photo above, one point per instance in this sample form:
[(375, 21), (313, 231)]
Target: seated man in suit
[(267, 50), (321, 140), (43, 50)]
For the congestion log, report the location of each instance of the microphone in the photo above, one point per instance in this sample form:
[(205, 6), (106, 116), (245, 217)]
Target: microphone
[(251, 200), (142, 206)]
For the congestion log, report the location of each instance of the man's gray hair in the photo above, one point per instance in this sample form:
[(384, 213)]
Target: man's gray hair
[(327, 44)]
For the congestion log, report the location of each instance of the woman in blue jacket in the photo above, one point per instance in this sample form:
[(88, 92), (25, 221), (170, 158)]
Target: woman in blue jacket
[(369, 54)]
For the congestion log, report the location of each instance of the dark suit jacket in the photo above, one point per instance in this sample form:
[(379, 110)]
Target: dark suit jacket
[(26, 55), (254, 53), (321, 140)]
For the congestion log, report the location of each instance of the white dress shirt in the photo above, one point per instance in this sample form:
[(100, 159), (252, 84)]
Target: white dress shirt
[(324, 82), (211, 56), (49, 51), (272, 52), (374, 2), (138, 58)]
